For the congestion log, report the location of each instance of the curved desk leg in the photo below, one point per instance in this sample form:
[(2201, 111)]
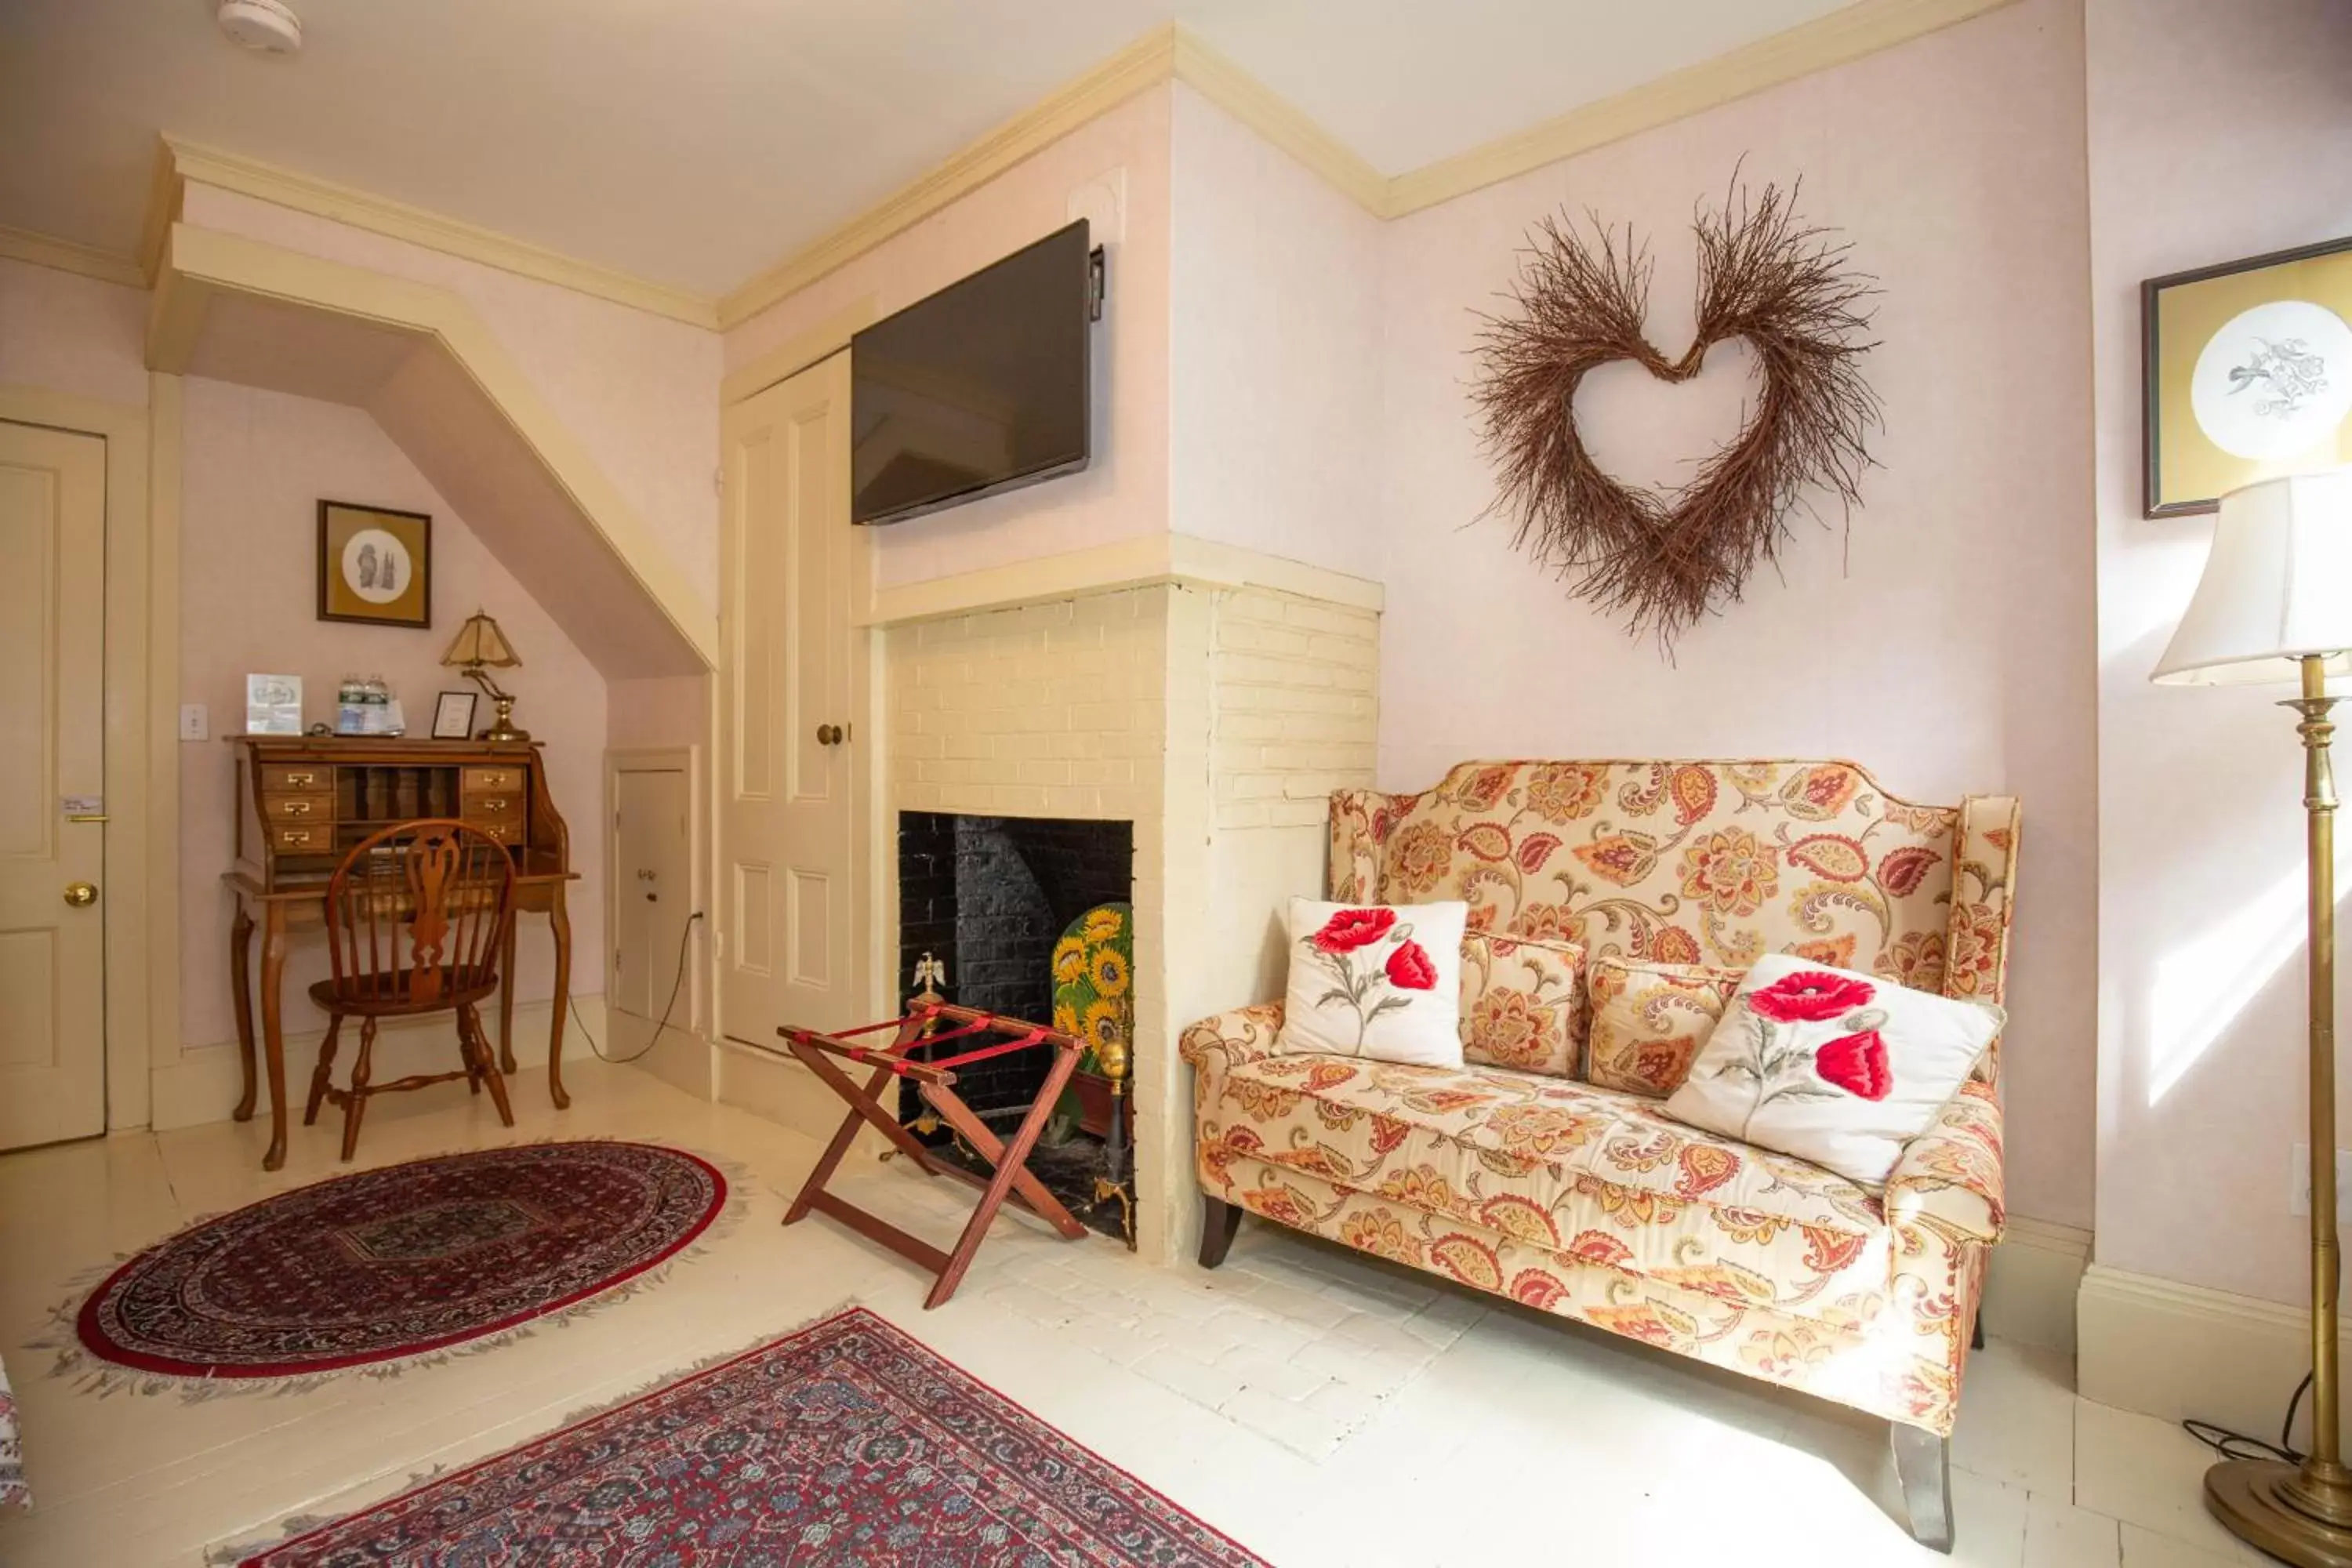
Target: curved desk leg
[(559, 924), (273, 1034), (506, 997), (240, 991)]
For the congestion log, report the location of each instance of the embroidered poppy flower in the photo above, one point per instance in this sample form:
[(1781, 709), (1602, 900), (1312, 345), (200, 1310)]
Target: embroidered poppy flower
[(1810, 996), (1408, 967), (1350, 928), (1857, 1064)]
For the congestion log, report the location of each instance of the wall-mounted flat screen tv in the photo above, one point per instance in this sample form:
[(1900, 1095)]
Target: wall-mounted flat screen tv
[(978, 389)]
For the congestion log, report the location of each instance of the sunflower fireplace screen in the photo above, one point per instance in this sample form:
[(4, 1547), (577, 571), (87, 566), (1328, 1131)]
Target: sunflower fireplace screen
[(1030, 918)]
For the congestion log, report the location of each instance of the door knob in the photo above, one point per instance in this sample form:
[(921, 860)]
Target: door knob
[(81, 895), (828, 734)]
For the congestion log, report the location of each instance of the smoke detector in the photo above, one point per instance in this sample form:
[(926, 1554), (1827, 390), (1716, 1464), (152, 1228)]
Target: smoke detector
[(265, 27)]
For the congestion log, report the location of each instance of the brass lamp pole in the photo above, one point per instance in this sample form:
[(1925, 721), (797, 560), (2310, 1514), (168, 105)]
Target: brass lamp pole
[(2275, 599)]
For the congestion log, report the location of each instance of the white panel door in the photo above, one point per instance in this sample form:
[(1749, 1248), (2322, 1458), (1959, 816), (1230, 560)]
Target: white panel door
[(791, 899), (653, 894), (52, 710)]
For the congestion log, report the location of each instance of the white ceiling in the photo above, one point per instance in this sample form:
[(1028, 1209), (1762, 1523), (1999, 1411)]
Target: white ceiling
[(695, 142)]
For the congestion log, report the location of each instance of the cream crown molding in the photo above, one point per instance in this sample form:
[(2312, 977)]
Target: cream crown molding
[(66, 255), (1163, 54), (179, 162), (199, 263), (1168, 54), (1842, 36), (1279, 121), (1137, 68)]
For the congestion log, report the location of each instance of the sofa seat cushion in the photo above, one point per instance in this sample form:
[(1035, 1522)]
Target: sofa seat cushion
[(1595, 1173)]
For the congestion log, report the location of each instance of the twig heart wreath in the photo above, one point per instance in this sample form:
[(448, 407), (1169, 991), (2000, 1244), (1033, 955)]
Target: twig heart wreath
[(1666, 559)]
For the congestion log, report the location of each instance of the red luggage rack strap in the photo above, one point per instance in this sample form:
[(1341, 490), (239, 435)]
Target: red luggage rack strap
[(935, 1082)]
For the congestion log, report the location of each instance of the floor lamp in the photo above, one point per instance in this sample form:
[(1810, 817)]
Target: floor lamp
[(2275, 605)]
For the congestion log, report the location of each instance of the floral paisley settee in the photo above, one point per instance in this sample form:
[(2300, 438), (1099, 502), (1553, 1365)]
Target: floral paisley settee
[(1589, 1202)]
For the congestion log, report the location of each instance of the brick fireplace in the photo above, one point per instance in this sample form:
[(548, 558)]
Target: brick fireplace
[(989, 897), (1193, 700)]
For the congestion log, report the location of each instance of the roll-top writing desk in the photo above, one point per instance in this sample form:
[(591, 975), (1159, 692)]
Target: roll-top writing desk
[(302, 801)]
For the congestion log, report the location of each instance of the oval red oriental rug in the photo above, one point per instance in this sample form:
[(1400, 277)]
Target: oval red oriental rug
[(387, 1264)]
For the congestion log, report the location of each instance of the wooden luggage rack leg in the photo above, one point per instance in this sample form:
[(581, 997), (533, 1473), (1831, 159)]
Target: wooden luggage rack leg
[(935, 1081)]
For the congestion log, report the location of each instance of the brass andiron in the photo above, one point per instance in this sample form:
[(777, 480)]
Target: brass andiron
[(1117, 1181), (2275, 602)]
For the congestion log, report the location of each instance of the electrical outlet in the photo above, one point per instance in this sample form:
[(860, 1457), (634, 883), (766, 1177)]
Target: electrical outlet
[(195, 721), (2299, 1184)]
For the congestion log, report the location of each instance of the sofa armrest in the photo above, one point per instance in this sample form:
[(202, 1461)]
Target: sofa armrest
[(1950, 1178), (1220, 1043)]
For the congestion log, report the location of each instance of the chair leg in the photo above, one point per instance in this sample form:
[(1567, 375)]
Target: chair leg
[(1924, 1463), (1218, 1221), (355, 1105), (322, 1075), (470, 1022)]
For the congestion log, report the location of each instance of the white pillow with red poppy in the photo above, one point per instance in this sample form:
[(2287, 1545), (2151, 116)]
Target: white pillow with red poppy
[(1378, 981), (1833, 1067)]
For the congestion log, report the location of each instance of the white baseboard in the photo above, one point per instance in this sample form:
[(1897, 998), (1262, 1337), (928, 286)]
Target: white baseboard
[(679, 1057), (2030, 1284), (204, 1084), (2174, 1351), (780, 1089)]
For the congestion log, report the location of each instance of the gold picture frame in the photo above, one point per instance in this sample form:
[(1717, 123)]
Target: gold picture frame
[(375, 565), (2247, 368)]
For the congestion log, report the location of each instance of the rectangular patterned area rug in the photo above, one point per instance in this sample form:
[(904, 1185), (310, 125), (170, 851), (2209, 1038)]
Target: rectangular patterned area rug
[(845, 1443)]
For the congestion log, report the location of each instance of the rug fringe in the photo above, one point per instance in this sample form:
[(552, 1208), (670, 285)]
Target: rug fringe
[(61, 1337)]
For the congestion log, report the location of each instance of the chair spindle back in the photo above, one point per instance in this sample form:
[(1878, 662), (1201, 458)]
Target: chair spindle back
[(417, 910)]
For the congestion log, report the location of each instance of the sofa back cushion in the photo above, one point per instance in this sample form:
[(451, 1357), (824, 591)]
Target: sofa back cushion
[(1687, 862), (1648, 1020), (1522, 1005)]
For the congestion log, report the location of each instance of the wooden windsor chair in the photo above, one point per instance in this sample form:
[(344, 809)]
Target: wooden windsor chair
[(417, 916)]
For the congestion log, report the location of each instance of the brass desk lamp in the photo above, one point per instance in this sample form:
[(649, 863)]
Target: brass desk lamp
[(479, 645), (2275, 605)]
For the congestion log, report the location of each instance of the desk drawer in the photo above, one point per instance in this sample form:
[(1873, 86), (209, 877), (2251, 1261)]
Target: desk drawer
[(493, 781), (508, 832), (290, 839), (296, 778), (318, 808), (485, 809)]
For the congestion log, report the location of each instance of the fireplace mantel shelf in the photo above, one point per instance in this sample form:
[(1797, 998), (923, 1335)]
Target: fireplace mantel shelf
[(1153, 558)]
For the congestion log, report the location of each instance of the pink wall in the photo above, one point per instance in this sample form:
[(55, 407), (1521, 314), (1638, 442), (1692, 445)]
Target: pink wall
[(1124, 492), (256, 466), (67, 333), (636, 389), (1275, 358), (2216, 130), (1947, 644)]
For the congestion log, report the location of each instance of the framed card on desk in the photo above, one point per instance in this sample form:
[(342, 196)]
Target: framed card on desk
[(452, 716)]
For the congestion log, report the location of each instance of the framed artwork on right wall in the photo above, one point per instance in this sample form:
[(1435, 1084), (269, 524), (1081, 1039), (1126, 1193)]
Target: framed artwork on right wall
[(2248, 373)]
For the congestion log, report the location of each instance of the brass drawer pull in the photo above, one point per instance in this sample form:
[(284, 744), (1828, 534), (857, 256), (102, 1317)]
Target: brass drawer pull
[(291, 837), (297, 808), (491, 804), (294, 778)]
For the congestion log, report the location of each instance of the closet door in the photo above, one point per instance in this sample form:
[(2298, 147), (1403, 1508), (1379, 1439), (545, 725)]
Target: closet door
[(791, 899), (52, 713)]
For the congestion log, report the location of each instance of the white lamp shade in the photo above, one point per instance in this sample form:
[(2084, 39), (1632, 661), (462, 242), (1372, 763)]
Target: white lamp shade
[(2277, 586)]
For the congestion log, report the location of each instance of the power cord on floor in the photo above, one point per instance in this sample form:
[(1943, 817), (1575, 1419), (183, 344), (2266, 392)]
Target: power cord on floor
[(677, 982), (2233, 1445)]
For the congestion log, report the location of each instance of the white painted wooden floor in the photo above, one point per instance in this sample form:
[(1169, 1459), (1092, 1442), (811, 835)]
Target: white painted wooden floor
[(1321, 1408)]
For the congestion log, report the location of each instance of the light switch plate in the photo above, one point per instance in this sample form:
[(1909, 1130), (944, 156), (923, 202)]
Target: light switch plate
[(195, 721)]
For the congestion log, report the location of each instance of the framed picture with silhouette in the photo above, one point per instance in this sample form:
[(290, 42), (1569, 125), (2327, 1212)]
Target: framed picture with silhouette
[(375, 565)]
